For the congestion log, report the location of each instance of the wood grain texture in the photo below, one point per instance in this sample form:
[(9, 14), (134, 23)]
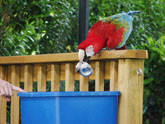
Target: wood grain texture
[(113, 75), (84, 83), (41, 78), (15, 74), (99, 76), (62, 72), (3, 76), (28, 78), (72, 57), (55, 77), (69, 77), (131, 87)]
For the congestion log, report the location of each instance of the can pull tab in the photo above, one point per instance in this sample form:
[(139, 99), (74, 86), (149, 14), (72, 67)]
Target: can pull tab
[(139, 71)]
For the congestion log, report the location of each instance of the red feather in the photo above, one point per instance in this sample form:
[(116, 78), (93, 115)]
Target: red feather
[(102, 34), (115, 38)]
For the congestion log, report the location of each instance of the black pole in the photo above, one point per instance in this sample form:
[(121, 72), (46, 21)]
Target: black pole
[(83, 20)]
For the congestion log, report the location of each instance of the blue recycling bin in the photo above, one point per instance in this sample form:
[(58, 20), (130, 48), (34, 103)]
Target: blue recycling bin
[(69, 107)]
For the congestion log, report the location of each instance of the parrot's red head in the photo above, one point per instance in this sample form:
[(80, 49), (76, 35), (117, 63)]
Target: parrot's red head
[(86, 52), (87, 47), (92, 44)]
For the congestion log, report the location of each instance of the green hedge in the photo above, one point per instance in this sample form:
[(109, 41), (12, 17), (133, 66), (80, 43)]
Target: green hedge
[(36, 27)]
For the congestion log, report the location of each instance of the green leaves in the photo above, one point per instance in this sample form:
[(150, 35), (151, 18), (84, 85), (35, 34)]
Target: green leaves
[(41, 26), (157, 48), (154, 86), (149, 80), (19, 43)]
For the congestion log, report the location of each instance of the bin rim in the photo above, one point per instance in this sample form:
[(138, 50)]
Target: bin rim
[(69, 93)]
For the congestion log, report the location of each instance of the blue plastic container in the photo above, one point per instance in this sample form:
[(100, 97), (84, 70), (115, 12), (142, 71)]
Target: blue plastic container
[(69, 107)]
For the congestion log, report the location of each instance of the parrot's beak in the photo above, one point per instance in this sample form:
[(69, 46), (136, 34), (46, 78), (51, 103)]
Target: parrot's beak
[(81, 55), (82, 66)]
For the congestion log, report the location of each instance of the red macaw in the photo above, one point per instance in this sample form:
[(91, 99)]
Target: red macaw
[(111, 32)]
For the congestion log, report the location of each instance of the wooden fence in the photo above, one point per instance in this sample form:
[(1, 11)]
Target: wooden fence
[(124, 69)]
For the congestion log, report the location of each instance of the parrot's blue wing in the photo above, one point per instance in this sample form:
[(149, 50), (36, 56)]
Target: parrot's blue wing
[(122, 20)]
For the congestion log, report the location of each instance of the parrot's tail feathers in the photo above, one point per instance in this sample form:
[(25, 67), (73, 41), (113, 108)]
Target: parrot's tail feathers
[(133, 12), (115, 38)]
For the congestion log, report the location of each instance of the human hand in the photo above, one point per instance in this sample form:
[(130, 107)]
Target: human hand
[(6, 89)]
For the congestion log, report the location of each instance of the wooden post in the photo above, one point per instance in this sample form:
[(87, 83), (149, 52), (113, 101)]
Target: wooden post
[(28, 78), (99, 76), (55, 77), (42, 78), (3, 75), (69, 77), (130, 84), (113, 76), (15, 74), (84, 85)]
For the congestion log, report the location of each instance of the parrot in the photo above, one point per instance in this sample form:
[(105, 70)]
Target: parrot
[(111, 32)]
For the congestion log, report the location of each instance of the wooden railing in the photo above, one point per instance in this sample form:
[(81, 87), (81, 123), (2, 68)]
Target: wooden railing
[(124, 69)]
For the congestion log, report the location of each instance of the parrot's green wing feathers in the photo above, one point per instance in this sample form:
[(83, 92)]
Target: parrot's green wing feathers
[(121, 20), (111, 18)]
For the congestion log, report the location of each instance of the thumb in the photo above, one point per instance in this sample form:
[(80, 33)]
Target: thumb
[(17, 89), (7, 99)]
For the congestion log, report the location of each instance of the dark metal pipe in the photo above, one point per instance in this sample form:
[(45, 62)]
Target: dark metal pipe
[(83, 20)]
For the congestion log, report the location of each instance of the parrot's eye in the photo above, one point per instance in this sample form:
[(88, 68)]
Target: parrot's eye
[(90, 47)]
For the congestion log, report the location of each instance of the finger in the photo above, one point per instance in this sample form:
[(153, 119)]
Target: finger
[(2, 91), (17, 89), (10, 90), (6, 88), (7, 99)]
